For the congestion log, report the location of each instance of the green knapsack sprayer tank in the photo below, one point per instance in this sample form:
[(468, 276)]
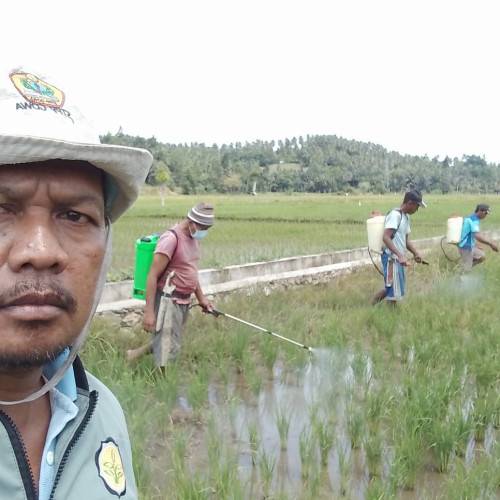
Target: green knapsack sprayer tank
[(144, 251)]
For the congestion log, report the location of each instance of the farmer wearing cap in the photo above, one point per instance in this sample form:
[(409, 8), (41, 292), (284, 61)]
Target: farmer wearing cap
[(62, 432), (172, 278), (396, 244), (469, 252)]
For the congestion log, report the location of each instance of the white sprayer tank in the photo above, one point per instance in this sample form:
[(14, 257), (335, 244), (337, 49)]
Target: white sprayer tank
[(454, 229), (375, 227)]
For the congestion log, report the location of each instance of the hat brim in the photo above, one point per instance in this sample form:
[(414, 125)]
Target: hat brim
[(422, 204), (127, 166)]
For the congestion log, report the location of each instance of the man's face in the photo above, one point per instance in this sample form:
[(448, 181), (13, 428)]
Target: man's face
[(412, 207), (52, 243)]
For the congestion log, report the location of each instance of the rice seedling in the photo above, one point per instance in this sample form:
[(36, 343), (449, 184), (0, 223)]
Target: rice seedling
[(239, 348), (307, 450), (325, 437), (266, 466), (234, 404), (254, 442), (213, 443), (197, 389), (373, 447), (480, 481), (407, 460), (283, 417), (344, 456), (269, 351), (485, 410), (443, 440), (179, 449), (252, 375), (355, 424)]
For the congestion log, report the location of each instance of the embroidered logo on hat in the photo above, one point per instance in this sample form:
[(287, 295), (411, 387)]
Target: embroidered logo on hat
[(37, 91)]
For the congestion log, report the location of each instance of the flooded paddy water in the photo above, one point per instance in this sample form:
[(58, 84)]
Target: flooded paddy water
[(302, 434)]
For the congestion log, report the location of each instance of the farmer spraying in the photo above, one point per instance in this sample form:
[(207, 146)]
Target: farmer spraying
[(396, 244), (172, 279), (469, 252)]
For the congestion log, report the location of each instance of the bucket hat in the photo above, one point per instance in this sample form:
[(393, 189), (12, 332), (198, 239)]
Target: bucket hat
[(40, 121), (202, 214)]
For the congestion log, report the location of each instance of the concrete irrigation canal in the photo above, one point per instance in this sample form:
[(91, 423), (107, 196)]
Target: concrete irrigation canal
[(307, 269)]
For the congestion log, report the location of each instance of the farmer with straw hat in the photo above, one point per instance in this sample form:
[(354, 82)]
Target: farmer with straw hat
[(62, 433), (172, 279)]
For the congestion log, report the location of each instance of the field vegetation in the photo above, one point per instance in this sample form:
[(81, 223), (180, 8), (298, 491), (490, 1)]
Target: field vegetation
[(272, 226), (390, 404)]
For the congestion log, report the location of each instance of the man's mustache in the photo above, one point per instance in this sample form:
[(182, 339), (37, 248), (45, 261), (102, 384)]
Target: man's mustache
[(43, 292)]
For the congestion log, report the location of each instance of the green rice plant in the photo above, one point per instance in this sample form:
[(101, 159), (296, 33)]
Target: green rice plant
[(197, 389), (283, 416), (213, 443), (187, 486), (307, 450), (266, 466), (254, 442), (325, 437), (344, 462), (225, 480), (377, 405), (379, 488), (239, 348), (444, 437), (477, 482), (373, 447), (269, 351), (166, 388), (485, 411), (233, 408), (407, 460), (180, 443), (355, 424), (311, 488), (252, 375)]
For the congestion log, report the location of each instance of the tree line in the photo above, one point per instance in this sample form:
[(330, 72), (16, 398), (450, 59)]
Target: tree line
[(315, 164)]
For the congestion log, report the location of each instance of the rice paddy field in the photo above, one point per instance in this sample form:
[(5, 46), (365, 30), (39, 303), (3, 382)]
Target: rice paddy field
[(387, 404), (267, 227)]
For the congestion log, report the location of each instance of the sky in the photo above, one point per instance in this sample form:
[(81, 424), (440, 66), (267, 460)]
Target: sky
[(418, 77)]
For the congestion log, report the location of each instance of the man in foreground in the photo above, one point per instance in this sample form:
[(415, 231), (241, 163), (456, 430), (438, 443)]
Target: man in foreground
[(172, 279), (63, 434), (396, 244), (470, 254)]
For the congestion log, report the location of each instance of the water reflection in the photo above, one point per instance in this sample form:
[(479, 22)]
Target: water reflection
[(300, 426)]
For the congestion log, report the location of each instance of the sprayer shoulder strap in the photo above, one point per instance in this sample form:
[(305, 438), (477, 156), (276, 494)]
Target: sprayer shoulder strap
[(400, 220), (464, 239), (176, 244)]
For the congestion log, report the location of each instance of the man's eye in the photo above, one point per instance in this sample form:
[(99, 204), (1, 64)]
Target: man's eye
[(74, 216)]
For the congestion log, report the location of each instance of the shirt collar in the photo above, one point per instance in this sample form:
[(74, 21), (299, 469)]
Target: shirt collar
[(67, 385)]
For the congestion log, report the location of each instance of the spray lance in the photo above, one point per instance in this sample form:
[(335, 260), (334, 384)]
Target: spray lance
[(217, 313)]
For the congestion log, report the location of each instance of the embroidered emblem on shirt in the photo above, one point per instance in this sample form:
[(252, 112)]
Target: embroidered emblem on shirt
[(37, 91), (110, 467)]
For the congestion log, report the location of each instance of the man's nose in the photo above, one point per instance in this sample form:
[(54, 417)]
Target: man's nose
[(37, 243)]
